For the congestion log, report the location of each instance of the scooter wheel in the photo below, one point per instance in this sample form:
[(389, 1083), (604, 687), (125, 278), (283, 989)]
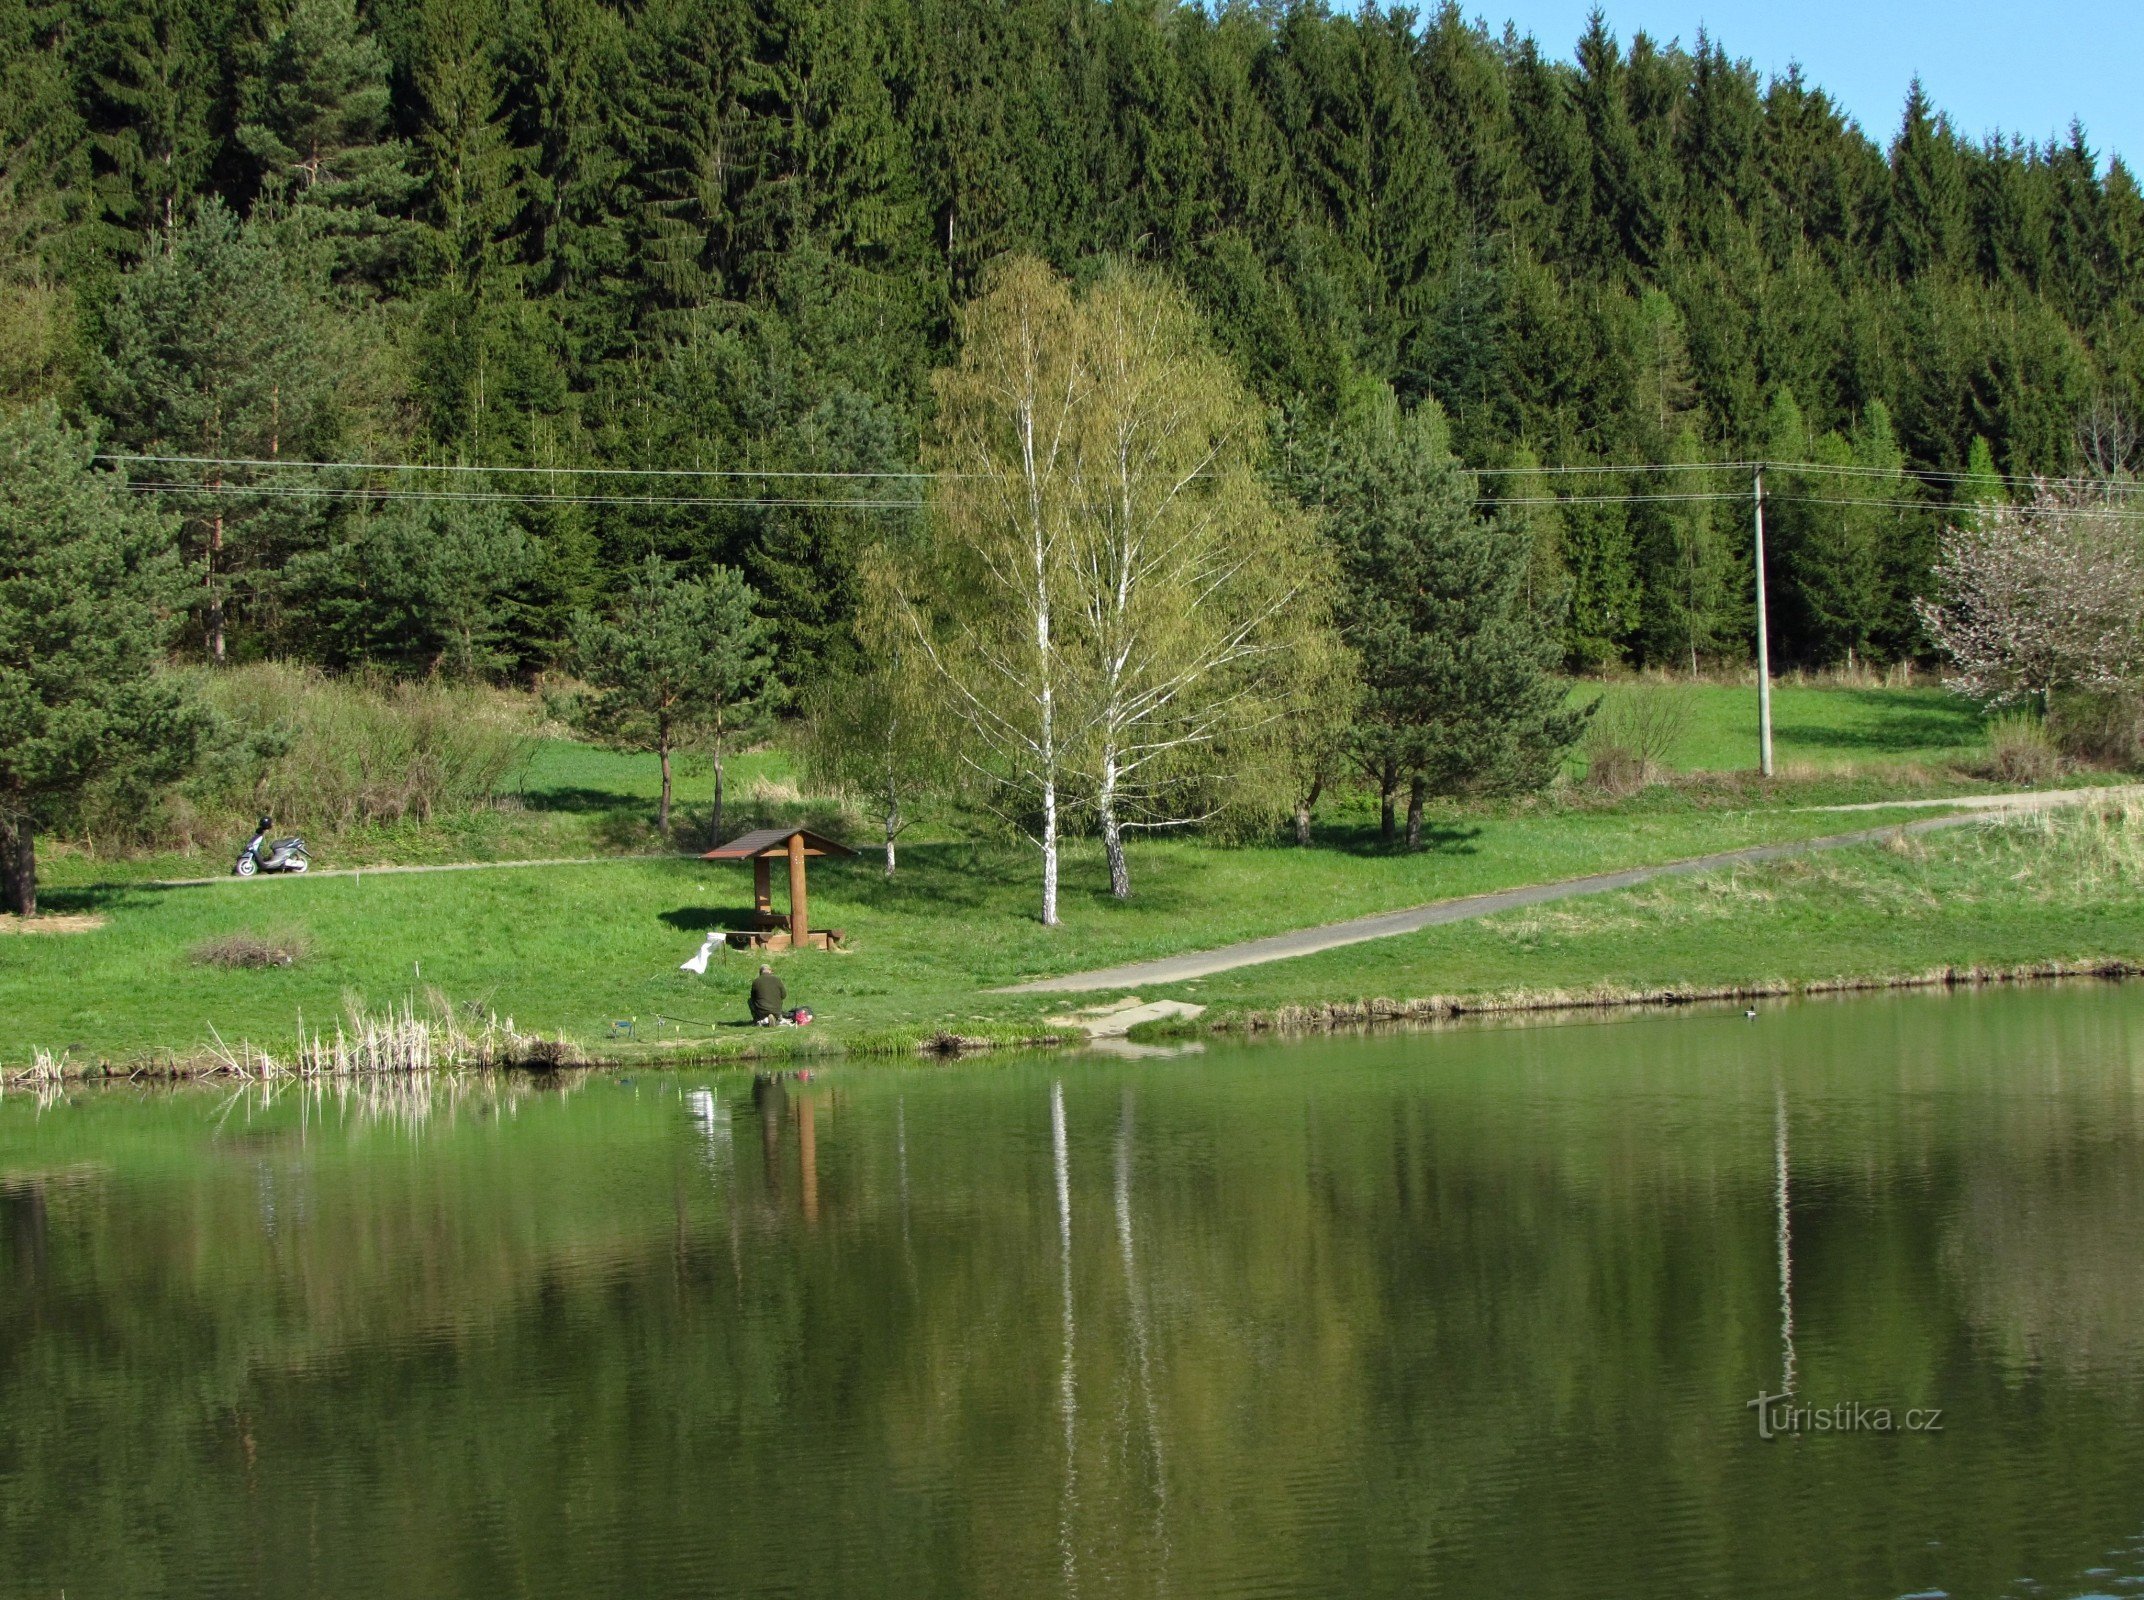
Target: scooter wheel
[(246, 867), (298, 865)]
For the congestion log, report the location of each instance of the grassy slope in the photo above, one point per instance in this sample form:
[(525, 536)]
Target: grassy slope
[(568, 800), (2027, 891), (575, 947), (1816, 726)]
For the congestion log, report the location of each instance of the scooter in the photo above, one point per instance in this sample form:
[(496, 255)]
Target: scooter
[(284, 855)]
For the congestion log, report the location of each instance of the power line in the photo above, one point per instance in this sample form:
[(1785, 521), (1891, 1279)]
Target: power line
[(1928, 475), (1945, 476), (332, 492), (286, 463), (1609, 499), (1786, 470), (1923, 505), (1599, 468), (238, 491)]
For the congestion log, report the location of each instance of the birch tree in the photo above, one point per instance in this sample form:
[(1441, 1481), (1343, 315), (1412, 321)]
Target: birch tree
[(1193, 587), (1112, 596), (987, 598), (876, 733)]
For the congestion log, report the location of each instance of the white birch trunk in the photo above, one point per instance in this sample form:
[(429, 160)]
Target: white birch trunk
[(1120, 878), (893, 807), (1049, 853)]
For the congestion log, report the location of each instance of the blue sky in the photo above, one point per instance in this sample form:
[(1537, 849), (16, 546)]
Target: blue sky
[(2011, 66)]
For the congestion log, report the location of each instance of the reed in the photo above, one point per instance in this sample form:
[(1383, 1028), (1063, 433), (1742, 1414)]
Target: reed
[(391, 1043)]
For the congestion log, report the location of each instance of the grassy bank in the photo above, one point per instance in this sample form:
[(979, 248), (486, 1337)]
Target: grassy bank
[(590, 952), (2036, 895), (417, 774), (577, 949)]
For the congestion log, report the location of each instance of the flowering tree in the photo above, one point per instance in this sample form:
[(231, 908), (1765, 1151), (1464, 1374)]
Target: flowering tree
[(2040, 597)]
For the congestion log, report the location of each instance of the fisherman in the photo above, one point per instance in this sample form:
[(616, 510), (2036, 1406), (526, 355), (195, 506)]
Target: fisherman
[(768, 997)]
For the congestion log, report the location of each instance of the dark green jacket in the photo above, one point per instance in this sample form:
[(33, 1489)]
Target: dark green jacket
[(767, 996)]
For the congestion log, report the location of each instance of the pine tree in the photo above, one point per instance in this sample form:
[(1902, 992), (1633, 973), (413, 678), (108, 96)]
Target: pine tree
[(88, 581), (678, 660), (219, 351), (316, 116), (1459, 693)]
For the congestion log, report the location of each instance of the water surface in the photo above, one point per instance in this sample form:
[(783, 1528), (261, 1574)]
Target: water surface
[(1476, 1312)]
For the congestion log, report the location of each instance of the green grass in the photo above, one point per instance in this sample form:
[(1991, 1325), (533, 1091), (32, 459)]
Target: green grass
[(566, 800), (564, 775), (570, 799), (575, 948), (2054, 888), (1813, 726)]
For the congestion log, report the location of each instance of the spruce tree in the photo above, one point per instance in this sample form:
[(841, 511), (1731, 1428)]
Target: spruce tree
[(424, 588), (1606, 586), (1927, 217), (473, 329), (153, 80), (1695, 608), (44, 168)]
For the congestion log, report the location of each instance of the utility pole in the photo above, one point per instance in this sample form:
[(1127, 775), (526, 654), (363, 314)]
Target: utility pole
[(1764, 646)]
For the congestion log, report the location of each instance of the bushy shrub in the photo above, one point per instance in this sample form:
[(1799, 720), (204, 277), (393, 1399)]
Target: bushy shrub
[(2106, 730), (1633, 735), (323, 754), (2020, 750)]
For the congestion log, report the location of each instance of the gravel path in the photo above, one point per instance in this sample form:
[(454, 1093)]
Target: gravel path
[(2027, 800), (1360, 930), (360, 872)]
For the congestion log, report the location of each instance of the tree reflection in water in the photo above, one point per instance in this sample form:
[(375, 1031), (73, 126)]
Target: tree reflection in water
[(1466, 1313)]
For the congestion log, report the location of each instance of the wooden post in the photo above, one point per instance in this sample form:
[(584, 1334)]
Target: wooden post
[(1764, 641), (799, 907), (762, 885)]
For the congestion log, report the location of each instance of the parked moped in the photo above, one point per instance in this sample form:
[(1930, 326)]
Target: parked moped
[(259, 855)]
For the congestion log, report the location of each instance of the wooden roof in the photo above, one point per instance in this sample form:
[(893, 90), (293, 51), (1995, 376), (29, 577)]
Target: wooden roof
[(775, 842)]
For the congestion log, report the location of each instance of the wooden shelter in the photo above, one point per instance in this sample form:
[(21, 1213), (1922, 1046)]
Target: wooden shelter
[(763, 848)]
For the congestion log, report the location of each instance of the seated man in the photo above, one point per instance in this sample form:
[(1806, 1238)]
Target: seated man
[(767, 996)]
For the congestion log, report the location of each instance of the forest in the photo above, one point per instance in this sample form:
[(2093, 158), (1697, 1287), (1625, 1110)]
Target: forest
[(578, 283)]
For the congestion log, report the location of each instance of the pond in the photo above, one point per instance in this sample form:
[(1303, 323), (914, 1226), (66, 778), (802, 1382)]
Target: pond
[(1471, 1312)]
